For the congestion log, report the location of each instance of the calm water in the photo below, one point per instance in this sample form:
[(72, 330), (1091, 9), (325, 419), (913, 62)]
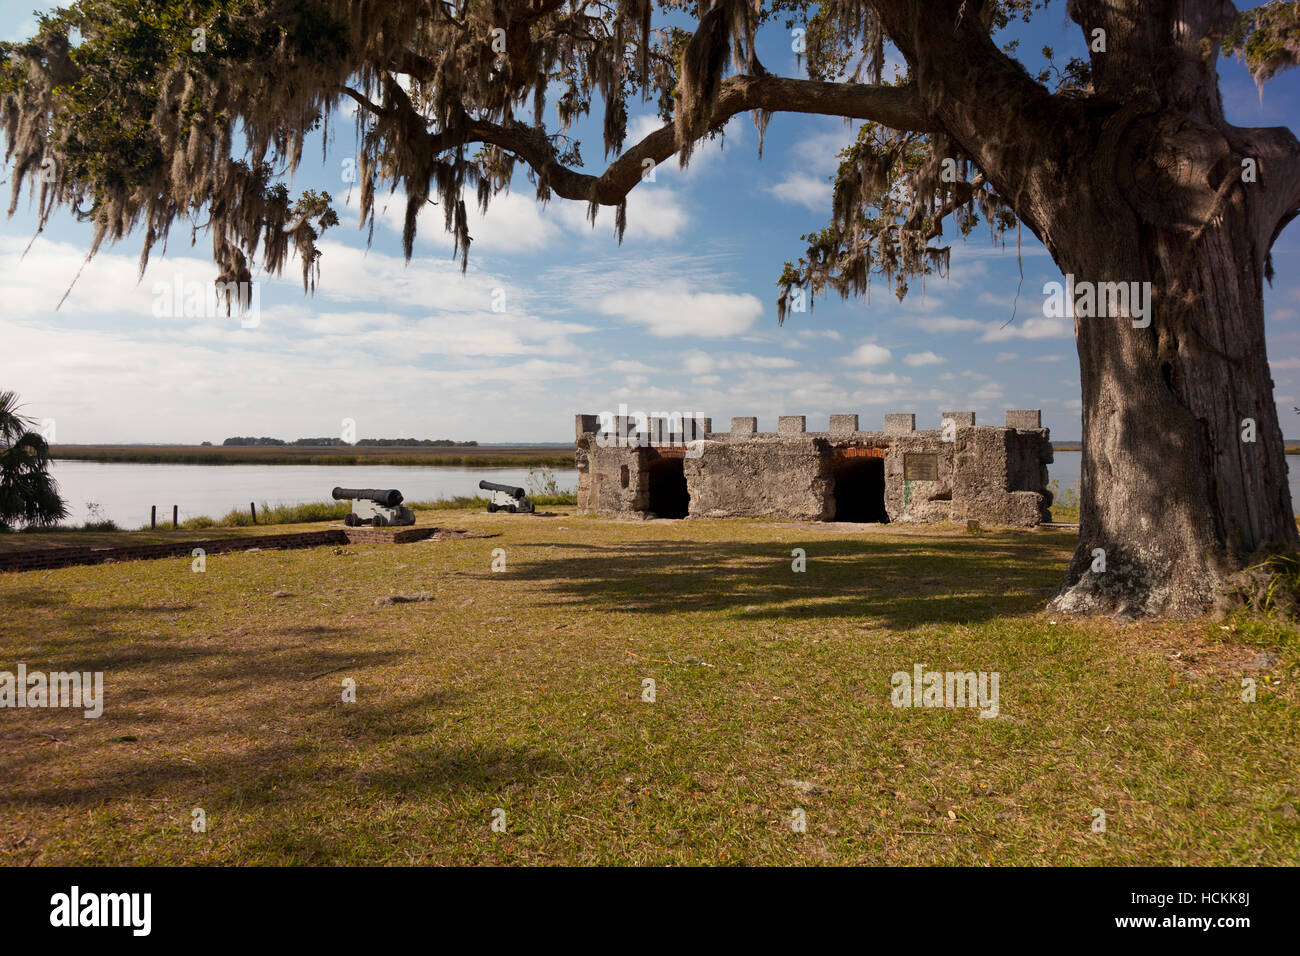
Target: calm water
[(1068, 464), (125, 491)]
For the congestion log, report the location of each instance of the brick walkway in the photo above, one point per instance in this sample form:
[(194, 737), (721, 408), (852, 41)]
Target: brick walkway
[(62, 557)]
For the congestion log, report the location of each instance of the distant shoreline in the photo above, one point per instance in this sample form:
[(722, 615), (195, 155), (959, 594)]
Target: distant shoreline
[(1290, 448), (459, 456)]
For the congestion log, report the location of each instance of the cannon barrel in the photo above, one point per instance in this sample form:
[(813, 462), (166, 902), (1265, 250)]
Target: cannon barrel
[(388, 497), (512, 491)]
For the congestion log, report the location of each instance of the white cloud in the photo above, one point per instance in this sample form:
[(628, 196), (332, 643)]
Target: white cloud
[(1034, 327), (868, 354), (917, 359), (877, 378), (514, 223), (631, 366), (831, 334), (1031, 327), (654, 212), (110, 385), (107, 285), (809, 191), (948, 323), (676, 310), (820, 151), (698, 362)]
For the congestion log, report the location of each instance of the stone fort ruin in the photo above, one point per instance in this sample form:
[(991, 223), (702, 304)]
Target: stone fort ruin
[(675, 467)]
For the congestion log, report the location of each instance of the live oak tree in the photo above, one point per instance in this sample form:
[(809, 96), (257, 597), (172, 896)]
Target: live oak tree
[(138, 114)]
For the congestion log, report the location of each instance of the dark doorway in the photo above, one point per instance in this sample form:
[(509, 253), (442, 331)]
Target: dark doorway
[(860, 489), (668, 495)]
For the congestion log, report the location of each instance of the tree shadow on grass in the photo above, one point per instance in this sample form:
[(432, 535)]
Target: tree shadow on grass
[(287, 772), (20, 598), (898, 584)]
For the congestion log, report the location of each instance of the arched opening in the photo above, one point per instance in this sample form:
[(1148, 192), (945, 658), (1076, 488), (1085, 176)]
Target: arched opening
[(668, 495), (860, 489)]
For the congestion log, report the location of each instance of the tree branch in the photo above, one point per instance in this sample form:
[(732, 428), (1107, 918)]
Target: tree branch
[(892, 106), (983, 99)]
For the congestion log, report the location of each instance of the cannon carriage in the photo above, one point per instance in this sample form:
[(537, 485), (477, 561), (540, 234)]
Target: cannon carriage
[(378, 507), (507, 498)]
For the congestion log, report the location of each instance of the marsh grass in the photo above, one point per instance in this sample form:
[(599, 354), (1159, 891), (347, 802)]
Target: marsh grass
[(91, 526), (335, 510), (273, 515)]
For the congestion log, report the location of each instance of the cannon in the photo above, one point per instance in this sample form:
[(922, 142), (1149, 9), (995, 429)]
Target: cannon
[(507, 498), (378, 506)]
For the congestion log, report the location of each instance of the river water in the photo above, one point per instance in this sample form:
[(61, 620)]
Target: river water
[(125, 491), (1068, 465)]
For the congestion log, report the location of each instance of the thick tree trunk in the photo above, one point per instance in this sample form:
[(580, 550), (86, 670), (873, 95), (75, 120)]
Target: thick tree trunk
[(1184, 474), (1142, 180)]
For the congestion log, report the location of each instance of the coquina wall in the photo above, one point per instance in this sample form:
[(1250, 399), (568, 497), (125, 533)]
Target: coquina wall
[(961, 470)]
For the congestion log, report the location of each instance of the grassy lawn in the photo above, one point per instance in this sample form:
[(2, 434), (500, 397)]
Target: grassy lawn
[(522, 690)]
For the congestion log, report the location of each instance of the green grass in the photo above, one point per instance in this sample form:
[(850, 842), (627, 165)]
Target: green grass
[(273, 514), (335, 510), (84, 527), (521, 690)]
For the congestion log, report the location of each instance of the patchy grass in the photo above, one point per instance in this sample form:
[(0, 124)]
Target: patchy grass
[(522, 690)]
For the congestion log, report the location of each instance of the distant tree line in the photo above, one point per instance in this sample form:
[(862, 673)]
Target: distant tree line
[(439, 442), (442, 442)]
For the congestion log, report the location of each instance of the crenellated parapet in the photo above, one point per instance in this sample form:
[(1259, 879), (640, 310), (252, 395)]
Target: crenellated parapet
[(657, 429)]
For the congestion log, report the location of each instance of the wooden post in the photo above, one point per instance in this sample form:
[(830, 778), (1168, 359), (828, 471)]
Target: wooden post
[(175, 514), (153, 517), (252, 509)]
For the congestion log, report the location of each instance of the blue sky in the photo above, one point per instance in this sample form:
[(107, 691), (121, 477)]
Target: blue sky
[(680, 317)]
